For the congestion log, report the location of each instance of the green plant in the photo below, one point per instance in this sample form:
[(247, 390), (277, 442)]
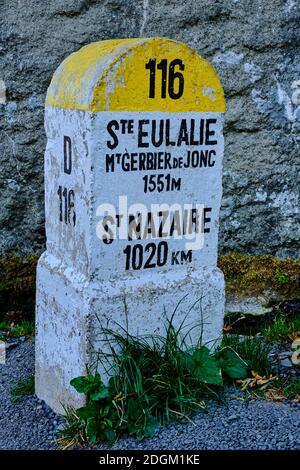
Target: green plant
[(153, 380), (281, 278), (73, 434), (26, 327), (4, 325), (251, 349), (284, 389), (22, 388), (10, 329), (292, 390), (282, 330), (4, 329)]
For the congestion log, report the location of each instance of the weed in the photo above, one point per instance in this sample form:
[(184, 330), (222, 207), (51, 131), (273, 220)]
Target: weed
[(26, 327), (284, 390), (10, 329), (292, 390), (281, 278), (153, 380), (282, 330), (73, 434), (22, 388), (251, 349), (4, 325)]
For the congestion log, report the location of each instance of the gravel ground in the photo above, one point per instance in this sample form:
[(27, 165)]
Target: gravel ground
[(26, 424), (238, 424)]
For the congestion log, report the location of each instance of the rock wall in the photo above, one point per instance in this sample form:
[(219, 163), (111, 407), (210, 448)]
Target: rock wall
[(253, 45)]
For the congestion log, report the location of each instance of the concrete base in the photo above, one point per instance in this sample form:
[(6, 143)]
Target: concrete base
[(71, 311)]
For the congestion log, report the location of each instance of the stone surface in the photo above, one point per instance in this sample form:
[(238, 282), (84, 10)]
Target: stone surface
[(2, 352), (249, 306), (100, 123), (254, 48), (286, 363), (285, 354)]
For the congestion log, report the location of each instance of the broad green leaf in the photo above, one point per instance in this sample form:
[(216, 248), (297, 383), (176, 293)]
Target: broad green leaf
[(87, 383), (133, 428), (152, 425), (91, 430), (106, 410), (232, 364), (110, 436), (80, 384), (205, 367), (89, 411), (134, 409), (100, 394), (186, 360)]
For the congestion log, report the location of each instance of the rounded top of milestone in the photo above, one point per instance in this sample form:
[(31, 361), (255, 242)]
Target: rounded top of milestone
[(114, 75)]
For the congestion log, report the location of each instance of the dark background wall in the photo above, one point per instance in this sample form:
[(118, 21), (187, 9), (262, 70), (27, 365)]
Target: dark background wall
[(254, 46)]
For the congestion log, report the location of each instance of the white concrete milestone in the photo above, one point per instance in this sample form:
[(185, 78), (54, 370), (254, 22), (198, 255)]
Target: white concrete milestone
[(133, 185)]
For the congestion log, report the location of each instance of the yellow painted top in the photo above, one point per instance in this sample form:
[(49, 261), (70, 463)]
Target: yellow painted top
[(113, 75)]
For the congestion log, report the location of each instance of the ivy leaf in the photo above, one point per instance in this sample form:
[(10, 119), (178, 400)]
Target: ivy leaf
[(232, 364), (205, 367)]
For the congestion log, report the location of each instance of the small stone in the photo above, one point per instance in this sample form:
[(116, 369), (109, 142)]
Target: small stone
[(39, 407), (60, 427), (11, 346), (286, 363), (285, 354), (232, 417)]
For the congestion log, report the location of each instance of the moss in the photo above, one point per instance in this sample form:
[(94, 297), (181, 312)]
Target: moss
[(17, 283), (245, 275), (254, 275), (282, 330)]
